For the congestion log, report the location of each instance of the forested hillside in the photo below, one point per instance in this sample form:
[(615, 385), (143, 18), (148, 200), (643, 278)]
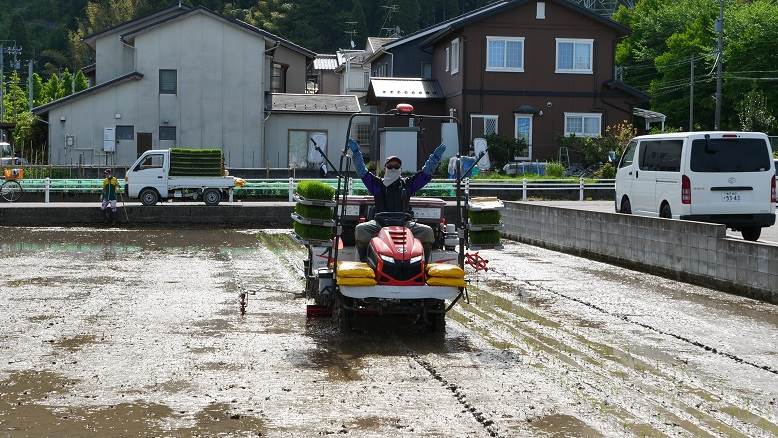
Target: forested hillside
[(50, 30)]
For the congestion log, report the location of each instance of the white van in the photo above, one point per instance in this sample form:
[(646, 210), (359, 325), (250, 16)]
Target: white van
[(719, 177)]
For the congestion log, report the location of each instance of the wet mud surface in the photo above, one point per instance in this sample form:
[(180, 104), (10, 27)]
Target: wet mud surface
[(139, 333)]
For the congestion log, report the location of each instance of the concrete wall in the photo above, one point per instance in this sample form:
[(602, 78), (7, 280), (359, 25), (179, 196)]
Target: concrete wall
[(114, 58), (279, 124), (690, 251), (295, 73), (86, 118)]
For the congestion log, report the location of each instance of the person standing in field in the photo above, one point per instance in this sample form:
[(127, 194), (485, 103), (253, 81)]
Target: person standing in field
[(110, 187)]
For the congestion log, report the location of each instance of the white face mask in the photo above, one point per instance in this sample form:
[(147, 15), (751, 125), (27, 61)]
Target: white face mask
[(391, 175)]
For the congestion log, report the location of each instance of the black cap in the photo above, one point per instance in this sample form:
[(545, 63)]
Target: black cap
[(393, 158)]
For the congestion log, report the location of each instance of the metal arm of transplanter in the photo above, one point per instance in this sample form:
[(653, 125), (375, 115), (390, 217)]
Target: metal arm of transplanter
[(324, 155)]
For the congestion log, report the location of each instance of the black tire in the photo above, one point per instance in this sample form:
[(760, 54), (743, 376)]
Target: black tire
[(626, 207), (665, 212), (751, 233), (148, 197), (437, 323), (342, 316), (212, 197), (11, 191)]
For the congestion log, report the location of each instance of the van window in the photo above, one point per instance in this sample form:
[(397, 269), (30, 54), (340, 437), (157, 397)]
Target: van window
[(649, 155), (629, 155), (730, 155), (670, 156)]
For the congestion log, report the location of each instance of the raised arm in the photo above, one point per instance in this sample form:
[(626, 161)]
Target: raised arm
[(418, 181), (372, 182)]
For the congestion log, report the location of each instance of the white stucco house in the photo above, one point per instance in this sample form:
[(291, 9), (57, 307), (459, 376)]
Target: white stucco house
[(183, 77)]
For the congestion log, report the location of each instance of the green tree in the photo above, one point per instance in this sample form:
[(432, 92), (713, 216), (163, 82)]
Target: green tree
[(14, 98), (67, 83), (37, 89), (53, 89), (81, 82), (754, 112), (357, 15)]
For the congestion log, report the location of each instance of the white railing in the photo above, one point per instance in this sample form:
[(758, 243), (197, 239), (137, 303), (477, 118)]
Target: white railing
[(526, 186)]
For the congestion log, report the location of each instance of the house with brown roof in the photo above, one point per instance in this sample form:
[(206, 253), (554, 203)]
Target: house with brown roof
[(534, 70)]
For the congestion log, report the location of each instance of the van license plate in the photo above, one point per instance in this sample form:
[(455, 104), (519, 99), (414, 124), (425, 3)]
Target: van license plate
[(730, 197)]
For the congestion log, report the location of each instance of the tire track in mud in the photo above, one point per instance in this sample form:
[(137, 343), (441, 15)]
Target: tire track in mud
[(660, 384), (487, 423), (626, 318)]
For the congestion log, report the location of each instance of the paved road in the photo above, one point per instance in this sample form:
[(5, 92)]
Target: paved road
[(138, 333), (769, 235)]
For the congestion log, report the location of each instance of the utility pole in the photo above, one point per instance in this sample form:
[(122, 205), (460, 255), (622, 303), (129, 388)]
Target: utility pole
[(2, 81), (691, 94), (29, 84), (719, 62)]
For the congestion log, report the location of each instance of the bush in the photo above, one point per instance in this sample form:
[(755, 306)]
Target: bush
[(485, 237), (502, 150), (312, 232), (487, 217), (594, 150), (607, 171), (315, 190), (313, 212), (555, 169)]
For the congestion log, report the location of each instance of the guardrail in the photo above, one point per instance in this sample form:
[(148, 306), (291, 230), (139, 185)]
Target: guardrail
[(280, 188)]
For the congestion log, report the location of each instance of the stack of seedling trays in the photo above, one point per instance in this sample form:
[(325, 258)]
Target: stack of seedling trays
[(313, 224), (484, 223), (196, 162)]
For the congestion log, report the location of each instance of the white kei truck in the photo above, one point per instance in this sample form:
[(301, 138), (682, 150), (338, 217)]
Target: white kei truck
[(149, 180)]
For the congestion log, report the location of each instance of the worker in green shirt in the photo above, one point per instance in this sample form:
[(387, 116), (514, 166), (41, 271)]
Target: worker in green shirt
[(110, 187)]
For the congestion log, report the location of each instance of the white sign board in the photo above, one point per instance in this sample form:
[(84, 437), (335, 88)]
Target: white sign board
[(449, 134), (479, 145), (317, 139), (109, 139)]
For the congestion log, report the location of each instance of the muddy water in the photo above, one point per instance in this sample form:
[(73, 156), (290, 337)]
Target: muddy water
[(138, 333)]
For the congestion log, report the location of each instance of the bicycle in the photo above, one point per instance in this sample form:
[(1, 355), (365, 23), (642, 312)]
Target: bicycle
[(11, 190)]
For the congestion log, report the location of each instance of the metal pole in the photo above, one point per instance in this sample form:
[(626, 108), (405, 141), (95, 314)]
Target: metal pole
[(581, 189), (29, 84), (691, 95), (2, 81), (719, 62)]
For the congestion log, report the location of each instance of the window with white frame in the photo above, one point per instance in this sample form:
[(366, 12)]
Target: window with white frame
[(482, 125), (505, 54), (455, 56), (583, 124), (523, 131), (447, 54), (574, 55)]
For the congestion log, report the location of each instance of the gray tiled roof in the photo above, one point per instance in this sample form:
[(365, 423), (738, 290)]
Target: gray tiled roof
[(325, 62), (313, 103), (405, 88), (375, 43)]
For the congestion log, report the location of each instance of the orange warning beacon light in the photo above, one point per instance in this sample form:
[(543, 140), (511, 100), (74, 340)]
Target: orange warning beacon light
[(404, 108)]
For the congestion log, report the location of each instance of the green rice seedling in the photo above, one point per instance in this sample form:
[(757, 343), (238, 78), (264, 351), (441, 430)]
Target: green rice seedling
[(313, 212), (315, 190), (485, 237), (487, 217), (312, 232)]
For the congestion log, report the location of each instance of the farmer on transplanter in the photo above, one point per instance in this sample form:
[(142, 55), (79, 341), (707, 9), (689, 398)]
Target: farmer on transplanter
[(110, 187), (392, 193)]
